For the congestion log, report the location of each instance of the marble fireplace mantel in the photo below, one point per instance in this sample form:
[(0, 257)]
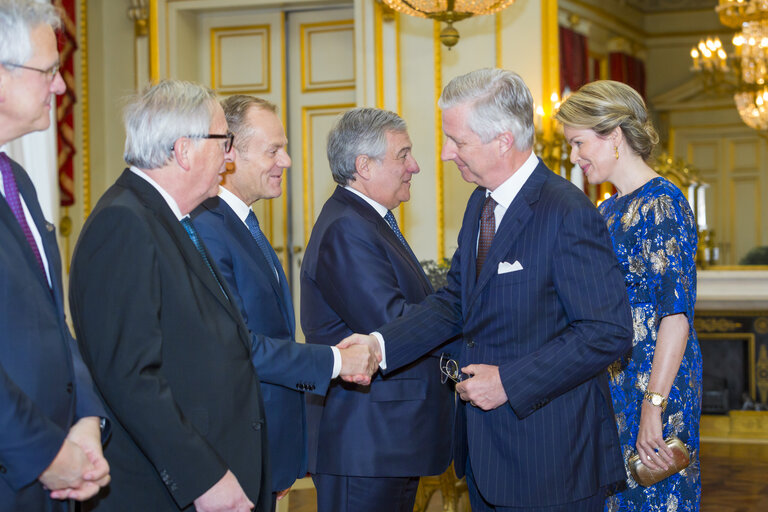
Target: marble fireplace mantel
[(732, 290)]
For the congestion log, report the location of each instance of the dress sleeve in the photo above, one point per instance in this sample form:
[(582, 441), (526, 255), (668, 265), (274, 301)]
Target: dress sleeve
[(669, 249)]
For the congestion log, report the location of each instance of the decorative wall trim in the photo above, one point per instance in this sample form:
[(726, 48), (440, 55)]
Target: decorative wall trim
[(308, 171), (439, 167), (308, 82), (218, 35)]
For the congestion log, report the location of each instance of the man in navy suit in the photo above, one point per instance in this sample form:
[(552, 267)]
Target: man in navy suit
[(50, 416), (259, 287), (369, 446), (536, 293)]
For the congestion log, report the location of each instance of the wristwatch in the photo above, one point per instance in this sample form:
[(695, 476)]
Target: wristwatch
[(656, 399)]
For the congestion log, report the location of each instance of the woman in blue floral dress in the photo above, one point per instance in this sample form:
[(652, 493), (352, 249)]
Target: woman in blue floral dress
[(656, 387)]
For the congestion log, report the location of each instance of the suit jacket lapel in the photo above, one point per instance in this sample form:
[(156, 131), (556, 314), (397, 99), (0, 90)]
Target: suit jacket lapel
[(29, 196), (252, 248), (369, 213), (155, 202), (512, 224), (469, 243)]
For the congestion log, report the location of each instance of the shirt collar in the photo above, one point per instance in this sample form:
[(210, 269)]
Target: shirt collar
[(376, 206), (238, 206), (507, 191), (168, 198)]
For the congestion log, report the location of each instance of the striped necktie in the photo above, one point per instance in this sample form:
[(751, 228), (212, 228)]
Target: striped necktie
[(487, 231)]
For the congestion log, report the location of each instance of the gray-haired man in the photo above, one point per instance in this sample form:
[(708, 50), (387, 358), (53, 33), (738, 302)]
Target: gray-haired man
[(50, 441), (371, 445), (167, 346)]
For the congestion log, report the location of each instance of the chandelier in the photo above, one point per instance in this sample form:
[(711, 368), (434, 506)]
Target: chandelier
[(745, 71), (448, 11)]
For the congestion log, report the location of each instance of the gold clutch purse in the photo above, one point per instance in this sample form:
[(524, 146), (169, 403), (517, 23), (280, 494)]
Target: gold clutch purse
[(647, 477)]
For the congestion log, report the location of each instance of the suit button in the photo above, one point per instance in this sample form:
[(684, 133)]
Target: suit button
[(256, 425), (70, 388), (3, 470), (470, 343)]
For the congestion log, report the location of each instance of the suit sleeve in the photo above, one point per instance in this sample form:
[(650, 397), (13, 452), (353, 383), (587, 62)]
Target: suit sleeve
[(591, 290), (277, 361), (30, 440), (358, 281), (116, 298), (87, 401)]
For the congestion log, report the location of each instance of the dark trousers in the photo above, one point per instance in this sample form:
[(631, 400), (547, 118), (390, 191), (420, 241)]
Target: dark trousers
[(370, 494), (593, 503)]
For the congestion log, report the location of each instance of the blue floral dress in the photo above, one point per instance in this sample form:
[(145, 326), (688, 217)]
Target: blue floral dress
[(654, 235)]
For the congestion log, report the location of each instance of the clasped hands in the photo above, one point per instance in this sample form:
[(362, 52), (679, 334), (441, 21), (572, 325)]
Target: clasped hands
[(79, 470), (360, 358)]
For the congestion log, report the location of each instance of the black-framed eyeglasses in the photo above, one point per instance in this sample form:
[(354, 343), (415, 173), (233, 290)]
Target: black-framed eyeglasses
[(49, 73), (230, 137), (450, 369)]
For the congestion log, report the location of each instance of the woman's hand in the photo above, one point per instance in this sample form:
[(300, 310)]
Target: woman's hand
[(653, 451)]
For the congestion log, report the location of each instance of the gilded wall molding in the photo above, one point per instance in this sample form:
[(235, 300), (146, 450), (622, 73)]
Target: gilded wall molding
[(308, 81), (439, 166)]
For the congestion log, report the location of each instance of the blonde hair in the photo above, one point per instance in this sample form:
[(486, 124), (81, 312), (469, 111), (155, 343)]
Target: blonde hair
[(604, 105)]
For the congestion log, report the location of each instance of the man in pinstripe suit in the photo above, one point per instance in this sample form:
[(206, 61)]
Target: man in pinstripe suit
[(536, 293)]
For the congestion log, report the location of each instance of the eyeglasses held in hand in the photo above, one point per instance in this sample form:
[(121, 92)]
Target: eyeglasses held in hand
[(450, 369)]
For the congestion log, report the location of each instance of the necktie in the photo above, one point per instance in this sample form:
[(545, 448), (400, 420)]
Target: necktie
[(393, 224), (487, 230), (195, 237), (253, 226), (14, 202)]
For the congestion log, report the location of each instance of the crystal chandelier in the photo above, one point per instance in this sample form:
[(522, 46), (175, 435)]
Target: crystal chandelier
[(448, 11), (745, 72)]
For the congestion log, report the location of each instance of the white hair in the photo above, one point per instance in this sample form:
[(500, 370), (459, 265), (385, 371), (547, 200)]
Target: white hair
[(499, 101), (17, 19), (162, 114)]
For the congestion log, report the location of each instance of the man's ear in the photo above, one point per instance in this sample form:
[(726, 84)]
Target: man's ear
[(362, 166), (506, 142), (181, 152)]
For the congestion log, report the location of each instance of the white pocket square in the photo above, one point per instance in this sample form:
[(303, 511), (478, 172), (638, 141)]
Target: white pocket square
[(506, 267)]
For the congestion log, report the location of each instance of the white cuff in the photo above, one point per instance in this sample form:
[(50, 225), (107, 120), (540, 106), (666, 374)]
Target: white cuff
[(336, 362), (378, 336)]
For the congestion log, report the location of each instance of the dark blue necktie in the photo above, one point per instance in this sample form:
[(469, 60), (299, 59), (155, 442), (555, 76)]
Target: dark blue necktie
[(393, 224), (195, 237), (269, 254)]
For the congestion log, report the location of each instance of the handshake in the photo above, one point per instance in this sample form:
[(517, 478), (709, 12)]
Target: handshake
[(360, 358)]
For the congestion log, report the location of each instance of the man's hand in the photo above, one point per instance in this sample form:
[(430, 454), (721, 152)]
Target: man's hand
[(358, 363), (483, 389), (226, 495), (86, 434), (375, 350), (66, 472)]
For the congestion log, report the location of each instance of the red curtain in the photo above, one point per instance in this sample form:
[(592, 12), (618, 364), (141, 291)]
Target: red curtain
[(574, 61), (629, 70), (65, 103)]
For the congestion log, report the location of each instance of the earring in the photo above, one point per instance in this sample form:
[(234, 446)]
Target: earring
[(616, 149)]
